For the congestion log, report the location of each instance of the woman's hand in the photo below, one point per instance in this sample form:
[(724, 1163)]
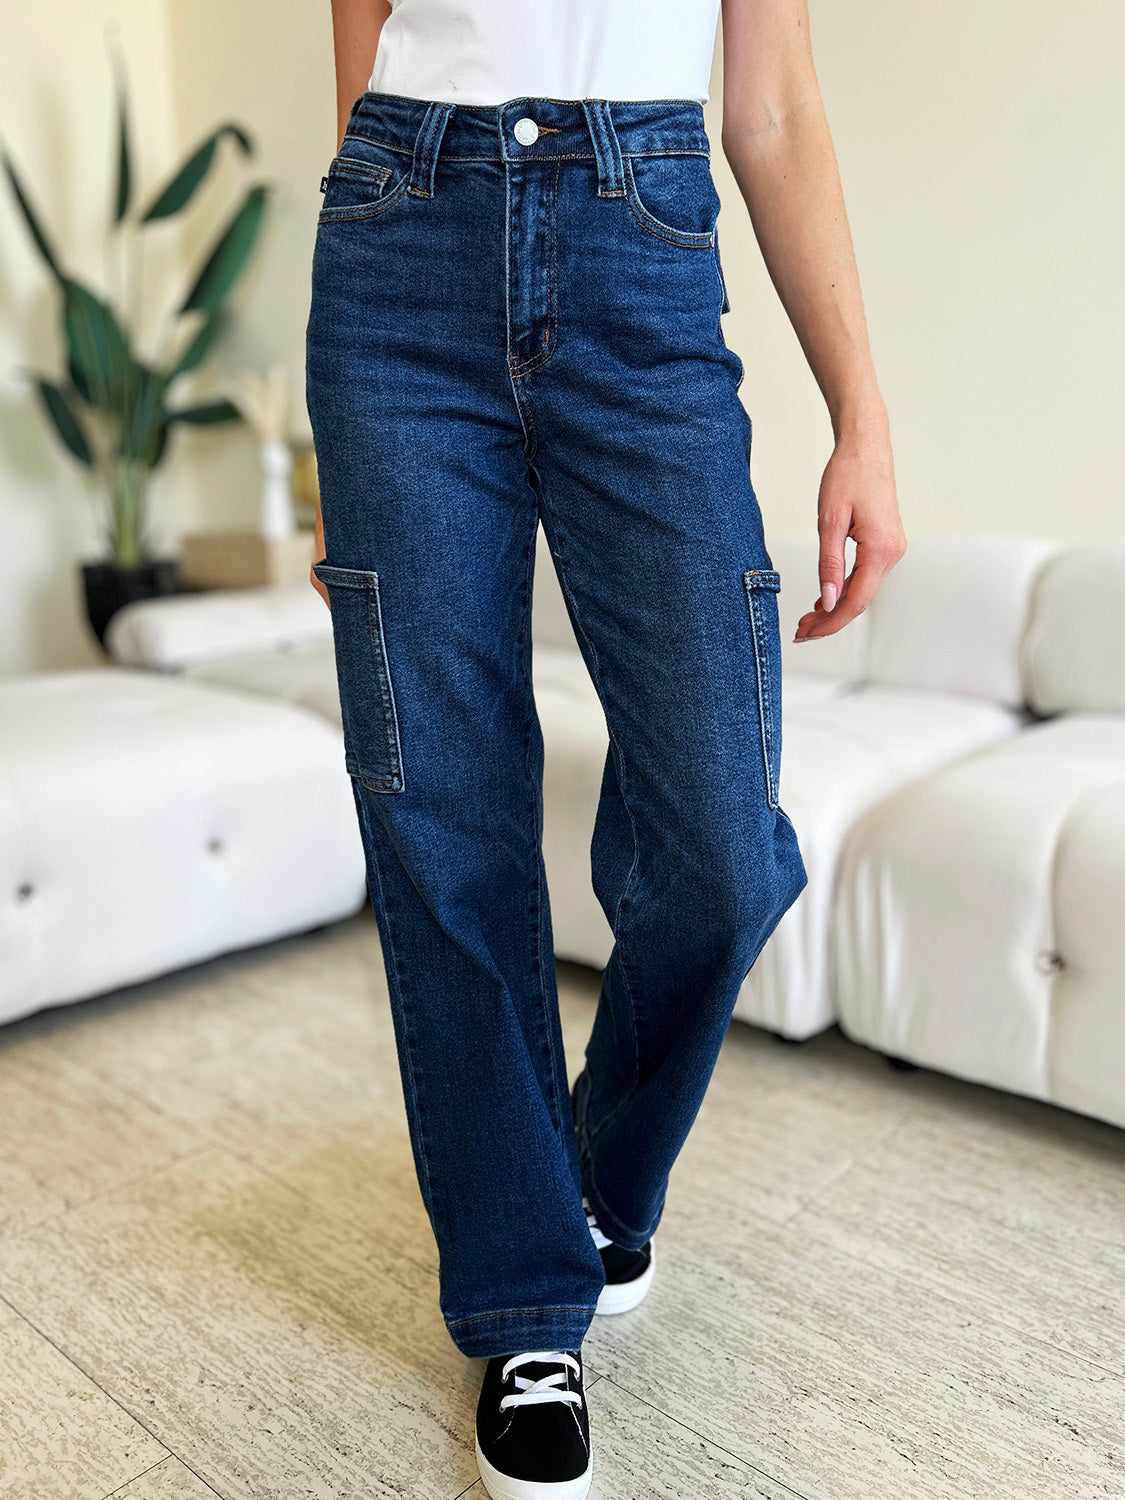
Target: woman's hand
[(319, 554), (857, 499)]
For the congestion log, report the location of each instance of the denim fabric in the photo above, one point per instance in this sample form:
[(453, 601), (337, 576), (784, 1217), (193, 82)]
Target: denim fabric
[(502, 333)]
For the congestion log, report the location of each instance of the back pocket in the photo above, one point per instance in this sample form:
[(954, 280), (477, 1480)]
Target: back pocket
[(373, 754), (762, 585)]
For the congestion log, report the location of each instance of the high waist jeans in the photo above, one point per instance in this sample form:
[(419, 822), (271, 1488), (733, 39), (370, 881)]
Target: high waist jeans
[(516, 317)]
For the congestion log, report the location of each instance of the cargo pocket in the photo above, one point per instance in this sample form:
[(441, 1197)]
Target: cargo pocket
[(762, 585), (372, 752)]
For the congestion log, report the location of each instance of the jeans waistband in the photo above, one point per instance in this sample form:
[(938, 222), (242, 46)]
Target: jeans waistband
[(568, 130)]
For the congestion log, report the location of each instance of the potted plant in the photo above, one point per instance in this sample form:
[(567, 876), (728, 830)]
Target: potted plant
[(115, 410)]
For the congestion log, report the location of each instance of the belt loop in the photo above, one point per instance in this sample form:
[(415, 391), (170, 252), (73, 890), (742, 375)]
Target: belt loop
[(607, 148), (426, 144)]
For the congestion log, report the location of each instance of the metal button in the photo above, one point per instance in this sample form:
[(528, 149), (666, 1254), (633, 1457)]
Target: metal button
[(526, 131)]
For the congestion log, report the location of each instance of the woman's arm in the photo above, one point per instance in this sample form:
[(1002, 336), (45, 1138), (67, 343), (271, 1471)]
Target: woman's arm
[(356, 25), (775, 136)]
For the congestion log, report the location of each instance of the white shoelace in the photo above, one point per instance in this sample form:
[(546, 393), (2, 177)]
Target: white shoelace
[(600, 1239), (547, 1387)]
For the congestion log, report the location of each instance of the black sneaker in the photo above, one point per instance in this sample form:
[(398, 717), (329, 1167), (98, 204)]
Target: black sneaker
[(628, 1273), (533, 1431)]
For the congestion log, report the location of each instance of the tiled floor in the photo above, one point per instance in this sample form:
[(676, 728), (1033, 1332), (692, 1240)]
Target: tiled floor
[(216, 1276)]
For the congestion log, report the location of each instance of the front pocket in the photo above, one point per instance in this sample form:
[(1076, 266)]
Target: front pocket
[(361, 181), (373, 753), (673, 198), (762, 585)]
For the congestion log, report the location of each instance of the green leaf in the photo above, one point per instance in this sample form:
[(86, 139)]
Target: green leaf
[(225, 263), (37, 232), (98, 349), (141, 433), (199, 346), (124, 168), (66, 423), (207, 414), (159, 444), (179, 191), (78, 380)]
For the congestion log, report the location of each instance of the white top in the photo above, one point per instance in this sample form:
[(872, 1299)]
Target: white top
[(490, 51)]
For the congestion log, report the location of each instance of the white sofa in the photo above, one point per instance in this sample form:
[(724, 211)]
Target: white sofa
[(892, 731)]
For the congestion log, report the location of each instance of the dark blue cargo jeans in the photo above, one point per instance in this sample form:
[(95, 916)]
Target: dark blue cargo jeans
[(516, 317)]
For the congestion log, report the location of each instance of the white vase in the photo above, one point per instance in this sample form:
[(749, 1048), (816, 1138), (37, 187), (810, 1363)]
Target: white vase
[(275, 514)]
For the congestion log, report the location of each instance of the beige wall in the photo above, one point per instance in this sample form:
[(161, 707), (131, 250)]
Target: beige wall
[(240, 61), (980, 152), (980, 149)]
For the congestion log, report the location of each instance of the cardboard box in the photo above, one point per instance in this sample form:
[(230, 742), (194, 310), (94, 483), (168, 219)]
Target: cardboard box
[(243, 559)]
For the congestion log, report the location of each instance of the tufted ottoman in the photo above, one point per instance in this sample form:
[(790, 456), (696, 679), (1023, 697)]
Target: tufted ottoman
[(148, 822)]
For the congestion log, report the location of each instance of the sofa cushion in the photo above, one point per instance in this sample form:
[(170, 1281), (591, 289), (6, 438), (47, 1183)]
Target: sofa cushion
[(180, 630), (841, 756), (147, 823), (1074, 651), (978, 918), (304, 675), (951, 615)]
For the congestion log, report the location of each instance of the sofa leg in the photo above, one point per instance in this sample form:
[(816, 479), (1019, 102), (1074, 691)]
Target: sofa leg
[(901, 1064), (789, 1041)]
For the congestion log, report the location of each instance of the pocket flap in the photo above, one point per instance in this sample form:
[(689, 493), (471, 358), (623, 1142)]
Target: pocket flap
[(349, 578), (762, 578)]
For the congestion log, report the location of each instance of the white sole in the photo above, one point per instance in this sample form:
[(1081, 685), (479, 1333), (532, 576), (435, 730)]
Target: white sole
[(624, 1296), (504, 1487)]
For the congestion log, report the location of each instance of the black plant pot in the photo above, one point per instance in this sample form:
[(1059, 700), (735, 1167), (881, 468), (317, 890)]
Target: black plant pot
[(109, 587)]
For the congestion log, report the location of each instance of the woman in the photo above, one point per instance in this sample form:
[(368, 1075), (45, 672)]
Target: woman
[(516, 315)]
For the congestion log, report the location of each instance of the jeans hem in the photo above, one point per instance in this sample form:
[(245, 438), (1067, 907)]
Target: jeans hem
[(516, 1330), (608, 1222)]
